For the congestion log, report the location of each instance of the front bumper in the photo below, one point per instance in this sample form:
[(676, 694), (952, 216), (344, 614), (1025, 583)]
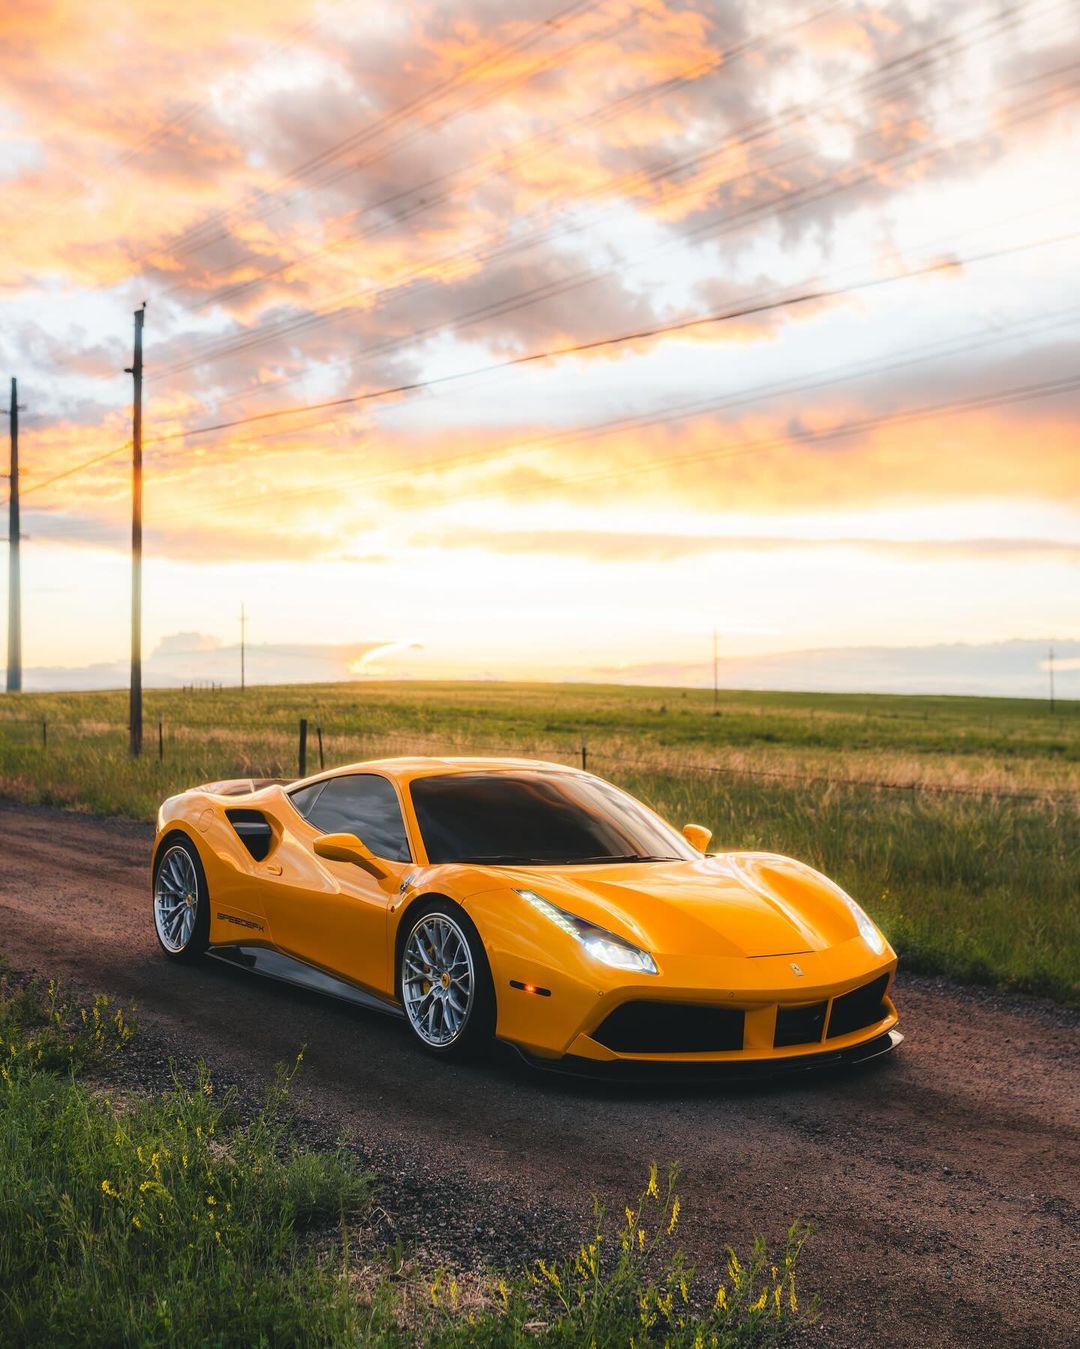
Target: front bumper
[(713, 1070)]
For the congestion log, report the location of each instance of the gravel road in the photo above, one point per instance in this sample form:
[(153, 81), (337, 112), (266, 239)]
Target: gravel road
[(943, 1185)]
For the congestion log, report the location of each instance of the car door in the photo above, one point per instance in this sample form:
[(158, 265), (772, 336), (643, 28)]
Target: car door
[(335, 914)]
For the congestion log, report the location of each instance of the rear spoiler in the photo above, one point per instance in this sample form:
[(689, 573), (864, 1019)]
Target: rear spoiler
[(242, 786)]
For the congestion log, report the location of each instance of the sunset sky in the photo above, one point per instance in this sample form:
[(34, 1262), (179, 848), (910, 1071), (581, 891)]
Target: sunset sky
[(325, 201)]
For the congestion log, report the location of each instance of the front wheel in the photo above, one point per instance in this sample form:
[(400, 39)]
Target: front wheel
[(446, 987), (181, 902)]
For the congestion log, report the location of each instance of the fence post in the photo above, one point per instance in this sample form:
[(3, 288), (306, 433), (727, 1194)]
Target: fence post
[(584, 753), (318, 732), (303, 747), (44, 734), (160, 742)]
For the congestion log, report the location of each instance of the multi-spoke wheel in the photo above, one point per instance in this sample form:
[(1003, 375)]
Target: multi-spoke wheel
[(181, 906), (445, 980)]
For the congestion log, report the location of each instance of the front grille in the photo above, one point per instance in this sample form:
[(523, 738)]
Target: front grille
[(800, 1025), (671, 1028), (861, 1007)]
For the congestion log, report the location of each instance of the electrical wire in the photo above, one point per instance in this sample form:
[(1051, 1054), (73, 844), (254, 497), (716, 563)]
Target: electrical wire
[(219, 348), (683, 325)]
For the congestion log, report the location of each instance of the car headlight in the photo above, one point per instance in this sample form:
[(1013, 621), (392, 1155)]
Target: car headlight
[(602, 945), (867, 929)]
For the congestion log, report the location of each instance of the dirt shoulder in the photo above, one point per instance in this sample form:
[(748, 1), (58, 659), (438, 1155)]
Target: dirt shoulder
[(941, 1185)]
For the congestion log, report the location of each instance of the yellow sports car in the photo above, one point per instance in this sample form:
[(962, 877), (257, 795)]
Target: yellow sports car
[(529, 902)]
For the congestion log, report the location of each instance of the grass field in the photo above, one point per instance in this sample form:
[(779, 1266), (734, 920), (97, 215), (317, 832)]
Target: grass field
[(172, 1219), (955, 820)]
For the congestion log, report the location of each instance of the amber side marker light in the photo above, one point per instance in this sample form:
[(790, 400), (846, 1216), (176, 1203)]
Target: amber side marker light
[(530, 988)]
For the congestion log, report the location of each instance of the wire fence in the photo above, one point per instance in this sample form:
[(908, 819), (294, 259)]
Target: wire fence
[(312, 738)]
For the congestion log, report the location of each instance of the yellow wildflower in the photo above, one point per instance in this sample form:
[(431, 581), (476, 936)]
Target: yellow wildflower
[(652, 1190), (107, 1188), (641, 1238), (550, 1273), (676, 1209)]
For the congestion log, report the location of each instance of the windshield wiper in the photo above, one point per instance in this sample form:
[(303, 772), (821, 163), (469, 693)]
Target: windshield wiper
[(622, 857), (500, 860), (510, 860)]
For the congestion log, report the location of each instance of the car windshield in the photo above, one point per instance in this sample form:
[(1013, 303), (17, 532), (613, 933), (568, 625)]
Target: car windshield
[(533, 819)]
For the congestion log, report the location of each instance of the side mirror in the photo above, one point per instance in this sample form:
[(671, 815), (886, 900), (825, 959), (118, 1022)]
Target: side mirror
[(348, 848), (697, 836)]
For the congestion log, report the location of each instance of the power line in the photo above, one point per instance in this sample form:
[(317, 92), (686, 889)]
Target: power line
[(642, 334), (77, 468), (484, 96), (188, 239), (219, 348), (681, 412), (786, 201), (639, 335), (503, 159), (1016, 394)]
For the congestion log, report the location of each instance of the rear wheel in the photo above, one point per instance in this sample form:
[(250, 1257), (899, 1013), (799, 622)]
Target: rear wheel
[(446, 987), (181, 902)]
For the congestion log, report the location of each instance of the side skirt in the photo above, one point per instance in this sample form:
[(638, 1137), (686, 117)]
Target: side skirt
[(287, 969)]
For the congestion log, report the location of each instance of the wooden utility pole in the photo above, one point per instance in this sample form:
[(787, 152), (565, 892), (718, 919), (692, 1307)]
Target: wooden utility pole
[(1050, 668), (715, 674), (135, 698), (14, 632), (243, 632)]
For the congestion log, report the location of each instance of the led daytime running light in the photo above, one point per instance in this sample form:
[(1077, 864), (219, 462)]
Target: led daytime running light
[(602, 945)]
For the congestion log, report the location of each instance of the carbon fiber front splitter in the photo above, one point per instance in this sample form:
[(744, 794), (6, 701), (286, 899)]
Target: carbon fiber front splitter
[(623, 1070)]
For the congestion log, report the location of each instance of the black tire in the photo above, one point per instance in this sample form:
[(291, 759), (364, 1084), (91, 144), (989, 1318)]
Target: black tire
[(189, 878), (476, 1032)]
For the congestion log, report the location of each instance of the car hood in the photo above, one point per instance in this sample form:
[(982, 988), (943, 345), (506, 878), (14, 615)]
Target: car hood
[(730, 904)]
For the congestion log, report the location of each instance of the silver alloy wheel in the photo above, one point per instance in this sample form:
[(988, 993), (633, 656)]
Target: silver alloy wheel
[(437, 980), (176, 899)]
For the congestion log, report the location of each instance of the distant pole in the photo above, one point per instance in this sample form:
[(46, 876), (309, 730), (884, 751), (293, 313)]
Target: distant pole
[(1050, 668), (135, 727), (715, 674), (14, 636), (303, 747), (243, 628)]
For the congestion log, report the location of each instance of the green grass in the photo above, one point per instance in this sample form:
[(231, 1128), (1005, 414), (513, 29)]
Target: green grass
[(955, 820), (171, 1220)]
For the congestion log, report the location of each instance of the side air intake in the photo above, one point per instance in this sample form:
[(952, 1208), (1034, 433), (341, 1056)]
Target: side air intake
[(254, 831)]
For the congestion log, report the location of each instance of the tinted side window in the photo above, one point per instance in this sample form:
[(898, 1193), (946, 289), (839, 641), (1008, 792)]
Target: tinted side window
[(363, 804), (306, 797)]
